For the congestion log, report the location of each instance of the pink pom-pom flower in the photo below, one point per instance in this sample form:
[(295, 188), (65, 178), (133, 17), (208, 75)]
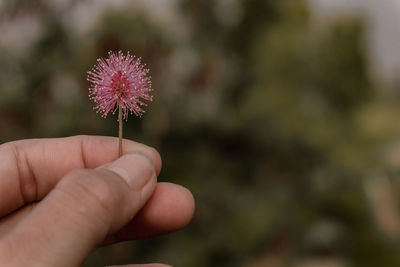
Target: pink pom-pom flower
[(119, 83)]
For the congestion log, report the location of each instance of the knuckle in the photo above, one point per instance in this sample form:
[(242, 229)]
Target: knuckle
[(28, 184), (81, 136)]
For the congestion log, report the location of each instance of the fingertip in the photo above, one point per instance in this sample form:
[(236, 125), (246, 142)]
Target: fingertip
[(130, 146), (170, 208), (186, 205), (157, 159), (171, 204)]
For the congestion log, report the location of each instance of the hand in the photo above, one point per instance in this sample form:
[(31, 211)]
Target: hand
[(62, 198)]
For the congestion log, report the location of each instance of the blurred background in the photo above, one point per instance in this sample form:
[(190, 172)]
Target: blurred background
[(281, 116)]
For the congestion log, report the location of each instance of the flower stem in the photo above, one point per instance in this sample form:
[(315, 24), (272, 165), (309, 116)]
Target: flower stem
[(120, 122)]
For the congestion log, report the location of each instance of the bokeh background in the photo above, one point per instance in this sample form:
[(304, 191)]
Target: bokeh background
[(281, 116)]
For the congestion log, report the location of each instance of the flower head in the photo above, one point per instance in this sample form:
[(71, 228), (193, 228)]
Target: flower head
[(119, 81)]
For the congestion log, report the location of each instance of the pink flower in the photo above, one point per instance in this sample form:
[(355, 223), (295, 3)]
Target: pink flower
[(119, 81)]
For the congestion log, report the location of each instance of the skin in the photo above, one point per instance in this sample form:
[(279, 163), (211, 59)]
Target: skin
[(62, 198)]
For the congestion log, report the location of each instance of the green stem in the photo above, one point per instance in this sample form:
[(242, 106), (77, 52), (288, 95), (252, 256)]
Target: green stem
[(120, 122)]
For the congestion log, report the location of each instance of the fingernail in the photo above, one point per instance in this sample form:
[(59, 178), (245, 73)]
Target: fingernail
[(135, 168)]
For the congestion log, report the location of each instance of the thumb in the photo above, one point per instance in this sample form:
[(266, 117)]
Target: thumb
[(83, 208)]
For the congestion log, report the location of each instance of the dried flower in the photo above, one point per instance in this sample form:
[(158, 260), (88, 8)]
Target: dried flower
[(119, 83)]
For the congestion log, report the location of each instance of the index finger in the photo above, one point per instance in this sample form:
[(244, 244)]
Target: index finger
[(29, 169)]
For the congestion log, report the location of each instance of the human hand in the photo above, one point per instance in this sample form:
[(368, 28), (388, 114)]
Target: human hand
[(62, 198)]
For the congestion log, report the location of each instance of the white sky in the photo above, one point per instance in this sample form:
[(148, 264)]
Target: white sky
[(383, 18)]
